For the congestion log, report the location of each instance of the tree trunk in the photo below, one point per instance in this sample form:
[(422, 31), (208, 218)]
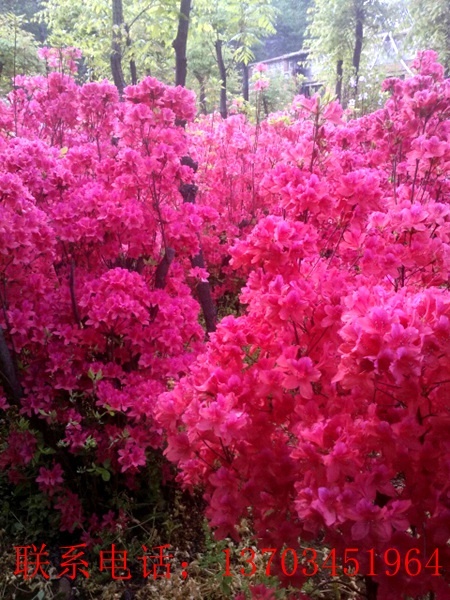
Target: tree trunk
[(202, 100), (162, 270), (446, 54), (8, 372), (203, 106), (203, 289), (245, 91), (223, 77), (133, 69), (339, 77), (180, 43), (359, 32), (205, 296), (265, 104), (189, 192), (116, 49)]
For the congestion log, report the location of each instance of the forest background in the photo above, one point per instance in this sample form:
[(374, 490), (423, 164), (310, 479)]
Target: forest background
[(345, 39)]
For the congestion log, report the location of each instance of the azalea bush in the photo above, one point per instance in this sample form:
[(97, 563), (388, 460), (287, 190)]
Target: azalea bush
[(318, 411), (322, 412), (98, 314)]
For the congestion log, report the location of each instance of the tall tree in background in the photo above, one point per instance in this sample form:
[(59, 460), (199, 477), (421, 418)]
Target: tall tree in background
[(218, 44), (329, 38), (359, 20), (141, 35), (202, 74), (233, 29), (116, 45), (26, 9), (18, 50), (19, 38), (225, 30), (291, 24), (431, 28), (256, 22), (180, 43), (339, 32)]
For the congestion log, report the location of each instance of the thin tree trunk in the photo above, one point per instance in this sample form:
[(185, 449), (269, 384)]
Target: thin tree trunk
[(446, 56), (116, 49), (162, 270), (223, 77), (265, 104), (8, 372), (180, 43), (133, 69), (205, 296), (359, 33), (339, 77), (203, 106), (202, 101), (203, 289), (189, 192), (245, 87)]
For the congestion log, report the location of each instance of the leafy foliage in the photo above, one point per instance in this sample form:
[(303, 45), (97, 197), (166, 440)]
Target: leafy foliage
[(151, 28), (332, 36), (431, 27), (290, 25), (238, 27), (148, 32), (17, 50)]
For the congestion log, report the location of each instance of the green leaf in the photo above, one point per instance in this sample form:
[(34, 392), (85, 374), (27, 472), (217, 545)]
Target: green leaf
[(46, 451), (105, 474)]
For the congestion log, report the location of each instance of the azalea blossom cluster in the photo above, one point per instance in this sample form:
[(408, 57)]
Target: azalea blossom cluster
[(98, 314), (323, 413), (60, 59), (229, 174), (260, 81)]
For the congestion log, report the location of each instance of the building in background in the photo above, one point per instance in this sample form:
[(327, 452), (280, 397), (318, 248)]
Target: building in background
[(292, 65), (390, 57)]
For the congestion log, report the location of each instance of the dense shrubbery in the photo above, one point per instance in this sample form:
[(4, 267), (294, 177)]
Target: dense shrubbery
[(91, 220), (321, 410)]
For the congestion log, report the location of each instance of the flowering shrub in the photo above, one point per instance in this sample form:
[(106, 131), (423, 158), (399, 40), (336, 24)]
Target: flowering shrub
[(228, 179), (60, 59), (98, 315), (323, 411), (319, 413)]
